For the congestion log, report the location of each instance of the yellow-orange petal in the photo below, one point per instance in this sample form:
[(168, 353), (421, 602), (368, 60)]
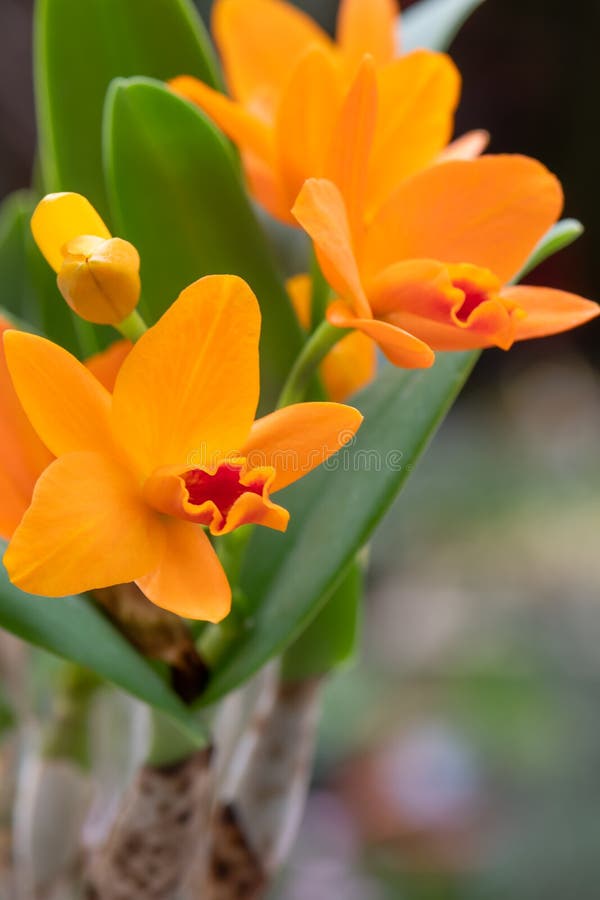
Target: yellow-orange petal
[(244, 129), (58, 218), (367, 26), (349, 366), (490, 212), (189, 579), (348, 157), (307, 110), (105, 365), (297, 439), (23, 457), (467, 146), (66, 405), (87, 527), (321, 211), (190, 385), (100, 280), (257, 68), (418, 96), (549, 311), (399, 346)]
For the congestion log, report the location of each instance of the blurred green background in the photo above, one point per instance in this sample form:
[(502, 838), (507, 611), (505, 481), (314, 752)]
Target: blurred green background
[(459, 758)]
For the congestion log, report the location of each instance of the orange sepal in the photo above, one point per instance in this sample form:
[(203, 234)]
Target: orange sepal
[(242, 127), (367, 26), (256, 69), (23, 457), (189, 579), (70, 409), (87, 527), (548, 311)]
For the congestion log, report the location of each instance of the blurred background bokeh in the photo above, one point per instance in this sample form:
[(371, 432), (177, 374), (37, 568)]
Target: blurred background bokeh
[(460, 757)]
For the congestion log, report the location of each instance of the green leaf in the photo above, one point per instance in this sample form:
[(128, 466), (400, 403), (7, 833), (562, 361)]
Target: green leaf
[(334, 511), (16, 289), (434, 23), (560, 236), (74, 629), (176, 193), (331, 638), (79, 48)]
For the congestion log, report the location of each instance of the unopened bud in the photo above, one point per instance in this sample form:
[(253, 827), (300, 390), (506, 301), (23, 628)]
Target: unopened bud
[(100, 278)]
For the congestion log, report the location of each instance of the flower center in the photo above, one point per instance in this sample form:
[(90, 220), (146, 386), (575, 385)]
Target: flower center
[(222, 487), (474, 296), (222, 499)]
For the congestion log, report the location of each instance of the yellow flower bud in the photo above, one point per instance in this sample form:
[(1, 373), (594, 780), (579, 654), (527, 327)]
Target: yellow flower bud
[(100, 278)]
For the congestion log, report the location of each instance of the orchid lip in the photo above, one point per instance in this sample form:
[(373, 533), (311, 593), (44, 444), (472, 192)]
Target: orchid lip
[(221, 497)]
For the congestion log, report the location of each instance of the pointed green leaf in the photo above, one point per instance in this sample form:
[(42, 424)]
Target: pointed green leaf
[(335, 510), (79, 48), (434, 23), (176, 193), (560, 236), (73, 628), (16, 289)]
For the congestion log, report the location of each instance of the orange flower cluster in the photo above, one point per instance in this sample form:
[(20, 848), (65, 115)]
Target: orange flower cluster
[(418, 240)]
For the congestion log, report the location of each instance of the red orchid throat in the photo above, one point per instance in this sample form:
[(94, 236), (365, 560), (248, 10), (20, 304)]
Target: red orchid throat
[(221, 497)]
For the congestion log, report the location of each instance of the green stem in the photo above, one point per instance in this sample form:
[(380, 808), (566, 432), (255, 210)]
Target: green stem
[(312, 354), (133, 327)]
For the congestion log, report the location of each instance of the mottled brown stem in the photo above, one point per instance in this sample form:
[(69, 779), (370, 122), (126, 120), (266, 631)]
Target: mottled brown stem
[(156, 834), (260, 806), (157, 634)]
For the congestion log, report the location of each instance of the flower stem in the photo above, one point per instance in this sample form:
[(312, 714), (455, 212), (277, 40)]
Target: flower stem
[(133, 327), (312, 354)]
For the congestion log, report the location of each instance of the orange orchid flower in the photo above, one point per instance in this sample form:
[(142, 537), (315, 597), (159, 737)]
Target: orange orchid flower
[(432, 271), (23, 456), (299, 98), (98, 275), (348, 366), (174, 448)]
